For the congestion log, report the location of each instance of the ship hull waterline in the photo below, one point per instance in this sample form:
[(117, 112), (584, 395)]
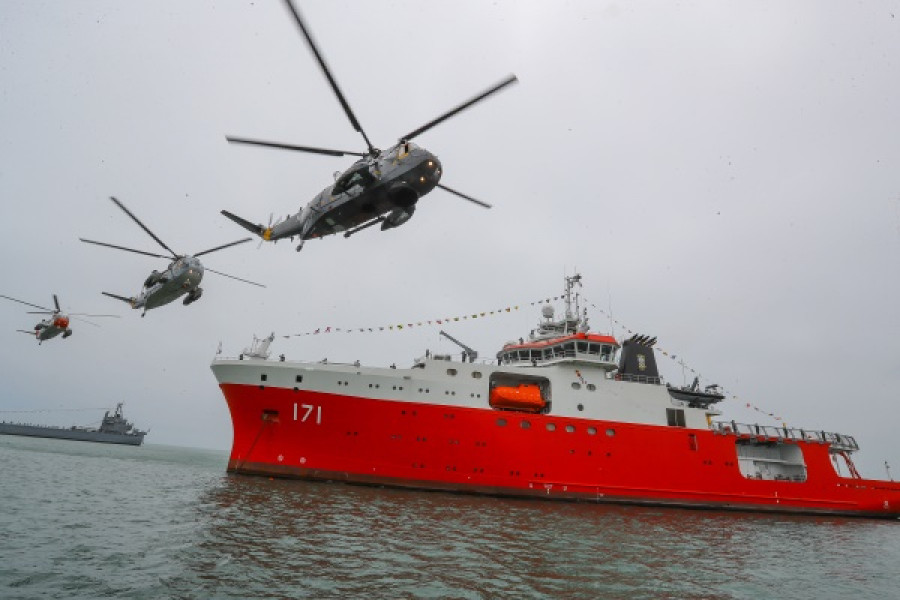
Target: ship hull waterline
[(324, 436), (70, 434)]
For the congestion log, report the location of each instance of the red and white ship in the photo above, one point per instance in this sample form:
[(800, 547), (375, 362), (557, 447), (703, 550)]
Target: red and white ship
[(564, 414)]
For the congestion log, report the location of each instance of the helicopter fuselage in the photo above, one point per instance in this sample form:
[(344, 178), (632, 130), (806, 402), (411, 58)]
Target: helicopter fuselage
[(374, 186), (51, 327), (182, 276)]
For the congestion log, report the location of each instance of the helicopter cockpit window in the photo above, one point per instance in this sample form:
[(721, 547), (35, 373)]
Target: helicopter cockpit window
[(360, 177)]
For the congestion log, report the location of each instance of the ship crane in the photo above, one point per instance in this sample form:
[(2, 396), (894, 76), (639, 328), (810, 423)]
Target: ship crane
[(467, 352)]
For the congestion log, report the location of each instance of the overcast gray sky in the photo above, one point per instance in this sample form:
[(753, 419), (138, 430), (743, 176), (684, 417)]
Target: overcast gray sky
[(723, 174)]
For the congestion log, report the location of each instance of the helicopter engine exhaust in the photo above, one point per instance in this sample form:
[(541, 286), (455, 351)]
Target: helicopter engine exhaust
[(403, 195), (397, 217)]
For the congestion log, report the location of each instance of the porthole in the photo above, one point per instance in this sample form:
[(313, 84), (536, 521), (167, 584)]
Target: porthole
[(581, 407), (591, 387), (525, 424), (298, 378), (592, 430), (570, 428), (263, 377), (576, 385), (610, 432), (551, 427), (501, 422)]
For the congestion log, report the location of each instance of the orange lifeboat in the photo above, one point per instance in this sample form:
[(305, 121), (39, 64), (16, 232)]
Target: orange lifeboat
[(525, 397)]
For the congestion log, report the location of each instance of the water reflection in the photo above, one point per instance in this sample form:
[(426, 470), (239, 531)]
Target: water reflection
[(279, 538)]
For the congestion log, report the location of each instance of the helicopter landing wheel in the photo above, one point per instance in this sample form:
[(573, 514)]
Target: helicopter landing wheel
[(67, 333), (192, 296), (300, 247)]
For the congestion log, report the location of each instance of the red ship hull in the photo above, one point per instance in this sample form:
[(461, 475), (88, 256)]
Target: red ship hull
[(325, 436)]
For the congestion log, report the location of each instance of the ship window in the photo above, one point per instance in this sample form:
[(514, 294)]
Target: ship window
[(551, 427), (591, 387), (299, 378), (592, 431), (263, 377), (536, 355), (583, 347), (606, 352), (476, 374), (610, 432), (570, 428), (525, 424), (581, 407), (569, 348), (451, 371), (501, 422), (576, 385), (675, 417)]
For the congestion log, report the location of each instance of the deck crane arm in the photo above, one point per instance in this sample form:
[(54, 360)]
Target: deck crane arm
[(472, 354)]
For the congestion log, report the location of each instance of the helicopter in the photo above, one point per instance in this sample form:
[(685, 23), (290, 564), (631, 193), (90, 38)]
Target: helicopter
[(181, 278), (383, 186), (56, 323)]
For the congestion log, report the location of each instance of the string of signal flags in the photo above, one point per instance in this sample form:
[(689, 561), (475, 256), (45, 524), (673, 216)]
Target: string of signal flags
[(396, 327), (674, 357)]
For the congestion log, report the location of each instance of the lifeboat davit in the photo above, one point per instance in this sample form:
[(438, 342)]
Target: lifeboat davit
[(525, 397)]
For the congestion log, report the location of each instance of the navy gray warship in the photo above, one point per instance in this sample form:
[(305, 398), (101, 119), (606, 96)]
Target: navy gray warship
[(114, 429)]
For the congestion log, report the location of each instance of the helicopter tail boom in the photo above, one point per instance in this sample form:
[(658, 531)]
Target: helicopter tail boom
[(130, 301), (263, 232)]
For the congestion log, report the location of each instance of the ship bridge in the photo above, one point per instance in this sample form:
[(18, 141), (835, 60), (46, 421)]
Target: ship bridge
[(564, 340), (582, 348)]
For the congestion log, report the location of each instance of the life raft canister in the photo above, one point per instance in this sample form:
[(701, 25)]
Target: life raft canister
[(525, 397)]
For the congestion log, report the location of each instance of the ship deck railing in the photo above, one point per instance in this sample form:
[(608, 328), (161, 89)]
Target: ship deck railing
[(838, 442)]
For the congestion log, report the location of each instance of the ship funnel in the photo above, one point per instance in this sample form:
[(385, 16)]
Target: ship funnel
[(637, 361)]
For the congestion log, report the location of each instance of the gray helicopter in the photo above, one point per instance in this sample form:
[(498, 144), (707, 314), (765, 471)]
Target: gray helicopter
[(181, 278), (56, 322), (381, 187)]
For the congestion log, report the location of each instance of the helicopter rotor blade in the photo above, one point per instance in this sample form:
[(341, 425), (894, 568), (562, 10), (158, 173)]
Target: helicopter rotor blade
[(463, 196), (233, 277), (40, 312), (493, 90), (144, 227), (87, 315), (222, 247), (88, 322), (312, 149), (56, 302), (124, 248), (27, 303), (324, 67)]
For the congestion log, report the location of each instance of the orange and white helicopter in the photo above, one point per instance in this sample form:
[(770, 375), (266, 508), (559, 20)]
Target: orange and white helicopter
[(56, 322)]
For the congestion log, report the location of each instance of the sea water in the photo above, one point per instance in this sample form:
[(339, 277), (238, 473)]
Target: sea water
[(86, 520)]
